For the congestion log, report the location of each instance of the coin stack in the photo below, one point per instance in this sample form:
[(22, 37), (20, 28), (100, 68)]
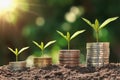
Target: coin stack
[(97, 54), (42, 62), (19, 65), (69, 57)]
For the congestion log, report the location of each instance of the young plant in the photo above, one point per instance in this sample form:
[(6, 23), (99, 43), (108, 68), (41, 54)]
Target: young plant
[(97, 27), (42, 46), (68, 37), (16, 52)]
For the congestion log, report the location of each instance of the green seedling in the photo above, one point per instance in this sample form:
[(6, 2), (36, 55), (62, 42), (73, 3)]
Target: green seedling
[(97, 27), (16, 52), (68, 37), (42, 46)]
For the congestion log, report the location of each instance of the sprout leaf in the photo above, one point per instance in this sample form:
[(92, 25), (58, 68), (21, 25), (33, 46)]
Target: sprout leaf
[(68, 37), (23, 49), (12, 50), (37, 44), (42, 46), (96, 25), (87, 21), (16, 52), (76, 33), (107, 21), (61, 34), (49, 43)]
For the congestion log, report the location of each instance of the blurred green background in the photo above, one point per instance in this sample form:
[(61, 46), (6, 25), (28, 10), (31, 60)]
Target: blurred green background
[(39, 19)]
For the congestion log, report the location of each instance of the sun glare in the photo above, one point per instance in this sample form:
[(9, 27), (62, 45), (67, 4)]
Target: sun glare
[(7, 5), (11, 9)]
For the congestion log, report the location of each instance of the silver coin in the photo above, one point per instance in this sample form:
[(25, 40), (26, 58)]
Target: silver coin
[(98, 45), (95, 64)]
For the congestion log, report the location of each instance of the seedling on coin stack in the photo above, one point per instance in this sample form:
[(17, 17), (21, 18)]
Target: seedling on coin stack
[(98, 52), (69, 57), (44, 60), (18, 65)]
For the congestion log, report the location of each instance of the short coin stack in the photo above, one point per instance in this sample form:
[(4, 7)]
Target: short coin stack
[(42, 62)]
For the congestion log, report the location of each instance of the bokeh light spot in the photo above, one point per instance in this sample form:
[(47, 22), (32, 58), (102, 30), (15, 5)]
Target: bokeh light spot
[(78, 11), (66, 26), (40, 21), (74, 13), (70, 17), (75, 10)]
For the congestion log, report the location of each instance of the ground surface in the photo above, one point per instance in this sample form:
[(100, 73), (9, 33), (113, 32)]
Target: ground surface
[(55, 72)]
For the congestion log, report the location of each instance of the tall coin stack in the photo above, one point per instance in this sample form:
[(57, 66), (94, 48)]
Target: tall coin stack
[(97, 54)]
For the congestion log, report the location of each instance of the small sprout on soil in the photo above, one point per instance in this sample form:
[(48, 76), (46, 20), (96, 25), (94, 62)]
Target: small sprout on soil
[(68, 37), (42, 46), (16, 52), (97, 27)]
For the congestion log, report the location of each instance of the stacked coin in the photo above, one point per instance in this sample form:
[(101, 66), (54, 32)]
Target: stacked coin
[(69, 57), (97, 54), (19, 65), (42, 62)]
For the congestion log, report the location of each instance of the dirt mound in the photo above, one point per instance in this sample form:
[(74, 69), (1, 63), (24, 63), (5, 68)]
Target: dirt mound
[(57, 72)]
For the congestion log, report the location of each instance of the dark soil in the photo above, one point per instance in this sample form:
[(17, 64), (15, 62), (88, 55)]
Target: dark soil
[(57, 72)]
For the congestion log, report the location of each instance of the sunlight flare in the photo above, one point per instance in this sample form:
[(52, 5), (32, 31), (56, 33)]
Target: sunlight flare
[(11, 9), (7, 5)]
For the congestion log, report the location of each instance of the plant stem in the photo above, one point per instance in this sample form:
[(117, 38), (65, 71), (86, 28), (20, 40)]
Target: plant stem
[(68, 45), (16, 58), (97, 35), (42, 52)]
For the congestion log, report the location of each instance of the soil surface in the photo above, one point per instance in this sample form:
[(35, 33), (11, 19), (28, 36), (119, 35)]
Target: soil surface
[(57, 72)]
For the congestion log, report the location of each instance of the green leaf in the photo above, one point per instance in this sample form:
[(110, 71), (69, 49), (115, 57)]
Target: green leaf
[(61, 34), (87, 21), (76, 33), (68, 36), (96, 25), (107, 21), (49, 43), (42, 46), (94, 28), (12, 50), (16, 51), (23, 49), (37, 44)]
